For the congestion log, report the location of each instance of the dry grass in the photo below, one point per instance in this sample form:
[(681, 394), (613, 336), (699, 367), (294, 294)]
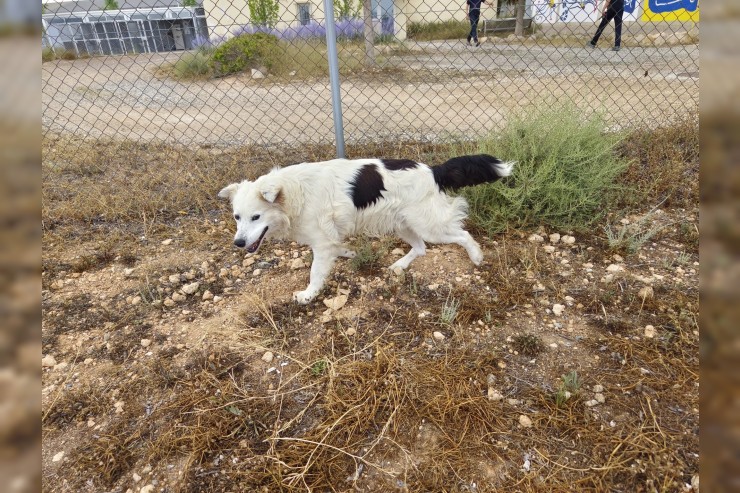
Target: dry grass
[(387, 407), (664, 164)]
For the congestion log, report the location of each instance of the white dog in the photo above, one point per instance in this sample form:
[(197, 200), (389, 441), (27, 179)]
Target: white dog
[(320, 204)]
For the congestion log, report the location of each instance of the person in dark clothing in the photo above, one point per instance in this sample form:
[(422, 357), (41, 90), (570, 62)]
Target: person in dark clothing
[(614, 9), (472, 10)]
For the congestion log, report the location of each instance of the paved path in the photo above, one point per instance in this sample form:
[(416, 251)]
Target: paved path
[(444, 89)]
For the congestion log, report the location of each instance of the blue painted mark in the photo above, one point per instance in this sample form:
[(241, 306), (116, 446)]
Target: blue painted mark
[(662, 6)]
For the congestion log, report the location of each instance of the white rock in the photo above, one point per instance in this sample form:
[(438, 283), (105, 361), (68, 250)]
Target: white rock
[(494, 395), (48, 361), (397, 251), (58, 456), (267, 357), (147, 489), (558, 309), (554, 238), (256, 74), (600, 398), (136, 300), (119, 407), (166, 242), (598, 388), (296, 264), (524, 421), (146, 342), (438, 336), (617, 258), (650, 331), (256, 272), (217, 299), (169, 302), (177, 297), (351, 331), (128, 271), (549, 248), (190, 288), (174, 278), (207, 295), (591, 403), (614, 268), (433, 287), (535, 238), (336, 303), (553, 345), (136, 477), (568, 240), (695, 483)]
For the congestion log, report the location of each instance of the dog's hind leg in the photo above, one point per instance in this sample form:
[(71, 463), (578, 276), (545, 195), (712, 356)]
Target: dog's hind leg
[(417, 248), (462, 238), (323, 261)]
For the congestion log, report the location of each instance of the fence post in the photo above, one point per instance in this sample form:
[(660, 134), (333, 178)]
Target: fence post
[(336, 97)]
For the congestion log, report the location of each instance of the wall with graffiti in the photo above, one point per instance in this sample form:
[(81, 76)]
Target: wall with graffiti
[(552, 11)]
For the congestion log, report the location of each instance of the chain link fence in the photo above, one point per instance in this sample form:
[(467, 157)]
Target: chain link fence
[(223, 73)]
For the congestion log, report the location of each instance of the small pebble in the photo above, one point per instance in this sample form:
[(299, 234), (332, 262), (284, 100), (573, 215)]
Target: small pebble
[(524, 421), (438, 336), (146, 342), (649, 331), (58, 456), (267, 357)]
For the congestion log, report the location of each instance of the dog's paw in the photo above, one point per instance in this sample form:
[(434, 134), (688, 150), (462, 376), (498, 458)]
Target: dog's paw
[(304, 297), (476, 257), (348, 253)]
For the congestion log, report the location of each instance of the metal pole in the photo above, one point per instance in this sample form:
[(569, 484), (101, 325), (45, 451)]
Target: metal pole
[(336, 98)]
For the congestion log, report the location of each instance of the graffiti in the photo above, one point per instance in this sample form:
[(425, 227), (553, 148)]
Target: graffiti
[(670, 10), (564, 11), (663, 6)]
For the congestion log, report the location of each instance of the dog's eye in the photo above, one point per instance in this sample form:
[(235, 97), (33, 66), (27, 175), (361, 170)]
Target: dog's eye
[(255, 217), (237, 217)]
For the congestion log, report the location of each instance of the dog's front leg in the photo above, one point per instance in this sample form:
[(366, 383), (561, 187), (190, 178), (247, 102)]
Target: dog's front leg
[(323, 260)]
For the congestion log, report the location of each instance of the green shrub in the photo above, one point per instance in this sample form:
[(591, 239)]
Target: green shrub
[(246, 51), (451, 29), (193, 65), (566, 169), (47, 55)]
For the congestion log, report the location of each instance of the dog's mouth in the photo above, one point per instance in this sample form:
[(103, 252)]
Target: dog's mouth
[(254, 246)]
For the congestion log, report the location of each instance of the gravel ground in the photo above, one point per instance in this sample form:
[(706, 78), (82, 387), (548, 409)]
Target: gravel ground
[(444, 90)]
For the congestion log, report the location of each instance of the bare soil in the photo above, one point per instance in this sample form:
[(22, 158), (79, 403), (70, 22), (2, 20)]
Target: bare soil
[(420, 382)]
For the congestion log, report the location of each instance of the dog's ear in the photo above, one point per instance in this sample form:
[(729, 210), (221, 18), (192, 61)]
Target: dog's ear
[(229, 191), (271, 193)]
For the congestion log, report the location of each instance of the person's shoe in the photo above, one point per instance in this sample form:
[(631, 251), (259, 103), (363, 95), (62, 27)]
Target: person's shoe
[(590, 44), (469, 42), (477, 44), (616, 48)]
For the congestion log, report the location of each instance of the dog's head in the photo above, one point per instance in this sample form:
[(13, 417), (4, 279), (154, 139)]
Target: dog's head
[(258, 212)]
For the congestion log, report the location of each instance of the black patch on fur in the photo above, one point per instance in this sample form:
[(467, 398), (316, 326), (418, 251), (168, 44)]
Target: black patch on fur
[(465, 171), (399, 164), (367, 187)]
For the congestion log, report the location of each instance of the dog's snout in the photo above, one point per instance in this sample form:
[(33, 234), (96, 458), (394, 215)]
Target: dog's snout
[(240, 243)]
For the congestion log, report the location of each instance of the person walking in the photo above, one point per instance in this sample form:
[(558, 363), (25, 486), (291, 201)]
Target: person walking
[(472, 12), (613, 9)]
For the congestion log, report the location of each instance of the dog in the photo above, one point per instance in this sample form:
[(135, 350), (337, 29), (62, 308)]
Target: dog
[(321, 204)]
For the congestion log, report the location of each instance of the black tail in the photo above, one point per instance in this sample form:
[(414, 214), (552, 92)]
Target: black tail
[(465, 171)]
